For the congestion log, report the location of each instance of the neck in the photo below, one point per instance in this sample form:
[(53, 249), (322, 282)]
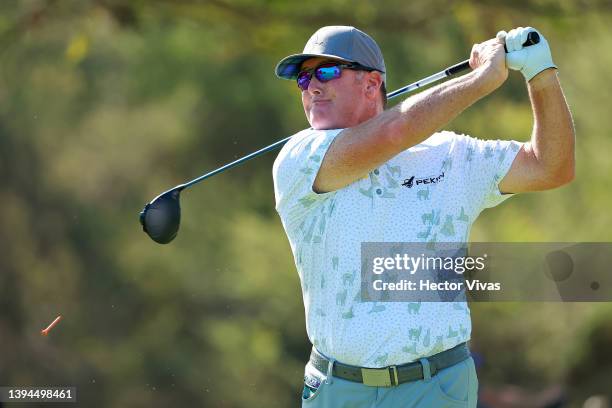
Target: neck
[(369, 112)]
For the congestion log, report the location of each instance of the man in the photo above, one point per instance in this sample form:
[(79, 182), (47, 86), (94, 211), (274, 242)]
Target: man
[(350, 179)]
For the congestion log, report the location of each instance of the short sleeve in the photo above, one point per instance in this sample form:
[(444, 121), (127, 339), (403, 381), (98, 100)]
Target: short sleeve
[(486, 163), (295, 170)]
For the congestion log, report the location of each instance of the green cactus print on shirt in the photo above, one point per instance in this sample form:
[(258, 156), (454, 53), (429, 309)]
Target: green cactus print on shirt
[(307, 201), (313, 229), (452, 333), (349, 314), (470, 154), (448, 229), (425, 233), (423, 194), (335, 261), (502, 156), (394, 171), (431, 218), (310, 231), (447, 164), (349, 278), (391, 182), (415, 334), (431, 244), (307, 170), (412, 349), (463, 216), (341, 298), (414, 307), (427, 338)]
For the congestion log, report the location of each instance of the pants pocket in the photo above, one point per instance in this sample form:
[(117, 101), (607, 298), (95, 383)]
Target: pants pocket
[(457, 385)]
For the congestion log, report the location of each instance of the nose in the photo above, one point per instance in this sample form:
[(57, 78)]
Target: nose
[(314, 87)]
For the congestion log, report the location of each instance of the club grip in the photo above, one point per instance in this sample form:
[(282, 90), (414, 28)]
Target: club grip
[(532, 39)]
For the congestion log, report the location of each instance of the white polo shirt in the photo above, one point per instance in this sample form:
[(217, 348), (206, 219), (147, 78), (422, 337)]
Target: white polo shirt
[(326, 230)]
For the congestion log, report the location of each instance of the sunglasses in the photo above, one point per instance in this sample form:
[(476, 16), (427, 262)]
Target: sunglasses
[(325, 72)]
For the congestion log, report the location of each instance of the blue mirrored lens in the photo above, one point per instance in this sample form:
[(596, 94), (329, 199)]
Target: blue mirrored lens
[(327, 73), (303, 80)]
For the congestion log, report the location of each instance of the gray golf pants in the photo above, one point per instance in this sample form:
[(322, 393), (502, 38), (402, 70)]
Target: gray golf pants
[(452, 387)]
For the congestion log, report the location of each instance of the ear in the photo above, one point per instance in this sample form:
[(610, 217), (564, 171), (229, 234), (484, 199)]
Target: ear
[(373, 81)]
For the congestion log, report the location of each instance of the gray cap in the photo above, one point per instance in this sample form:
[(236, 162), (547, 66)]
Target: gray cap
[(342, 42)]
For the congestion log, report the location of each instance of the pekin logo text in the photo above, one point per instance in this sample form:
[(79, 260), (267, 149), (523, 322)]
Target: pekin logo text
[(412, 181)]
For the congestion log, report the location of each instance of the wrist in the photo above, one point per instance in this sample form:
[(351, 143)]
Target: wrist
[(544, 79), (486, 80)]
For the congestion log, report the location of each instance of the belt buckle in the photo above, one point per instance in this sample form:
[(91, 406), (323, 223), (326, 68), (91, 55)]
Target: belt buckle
[(380, 377)]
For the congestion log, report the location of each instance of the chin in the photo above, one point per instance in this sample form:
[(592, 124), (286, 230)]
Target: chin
[(323, 124), (323, 127)]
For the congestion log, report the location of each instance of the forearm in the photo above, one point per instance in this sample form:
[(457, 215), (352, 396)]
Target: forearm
[(552, 139)]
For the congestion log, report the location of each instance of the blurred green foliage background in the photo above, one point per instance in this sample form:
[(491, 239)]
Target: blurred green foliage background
[(104, 104)]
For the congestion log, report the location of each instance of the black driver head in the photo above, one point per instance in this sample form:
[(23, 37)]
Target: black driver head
[(161, 218)]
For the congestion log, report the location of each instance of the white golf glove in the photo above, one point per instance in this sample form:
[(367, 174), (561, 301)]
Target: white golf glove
[(530, 60)]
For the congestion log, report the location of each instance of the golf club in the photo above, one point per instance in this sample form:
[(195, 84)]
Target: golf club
[(161, 217)]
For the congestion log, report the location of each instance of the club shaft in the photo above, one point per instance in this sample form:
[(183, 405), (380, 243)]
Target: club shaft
[(462, 66), (273, 146)]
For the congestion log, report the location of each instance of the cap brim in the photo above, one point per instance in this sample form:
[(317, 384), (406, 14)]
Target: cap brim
[(289, 67)]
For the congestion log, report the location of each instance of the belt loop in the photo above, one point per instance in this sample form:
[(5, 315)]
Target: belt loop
[(395, 378), (426, 369), (330, 370)]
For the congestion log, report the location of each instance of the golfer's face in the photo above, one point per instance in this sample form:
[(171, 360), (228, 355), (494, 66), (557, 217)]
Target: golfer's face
[(332, 104)]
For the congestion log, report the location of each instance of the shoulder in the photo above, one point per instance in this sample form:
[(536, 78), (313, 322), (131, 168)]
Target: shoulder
[(443, 143), (458, 139), (445, 138), (305, 145)]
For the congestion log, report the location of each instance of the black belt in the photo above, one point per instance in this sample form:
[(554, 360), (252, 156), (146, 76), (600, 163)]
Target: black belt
[(392, 375)]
